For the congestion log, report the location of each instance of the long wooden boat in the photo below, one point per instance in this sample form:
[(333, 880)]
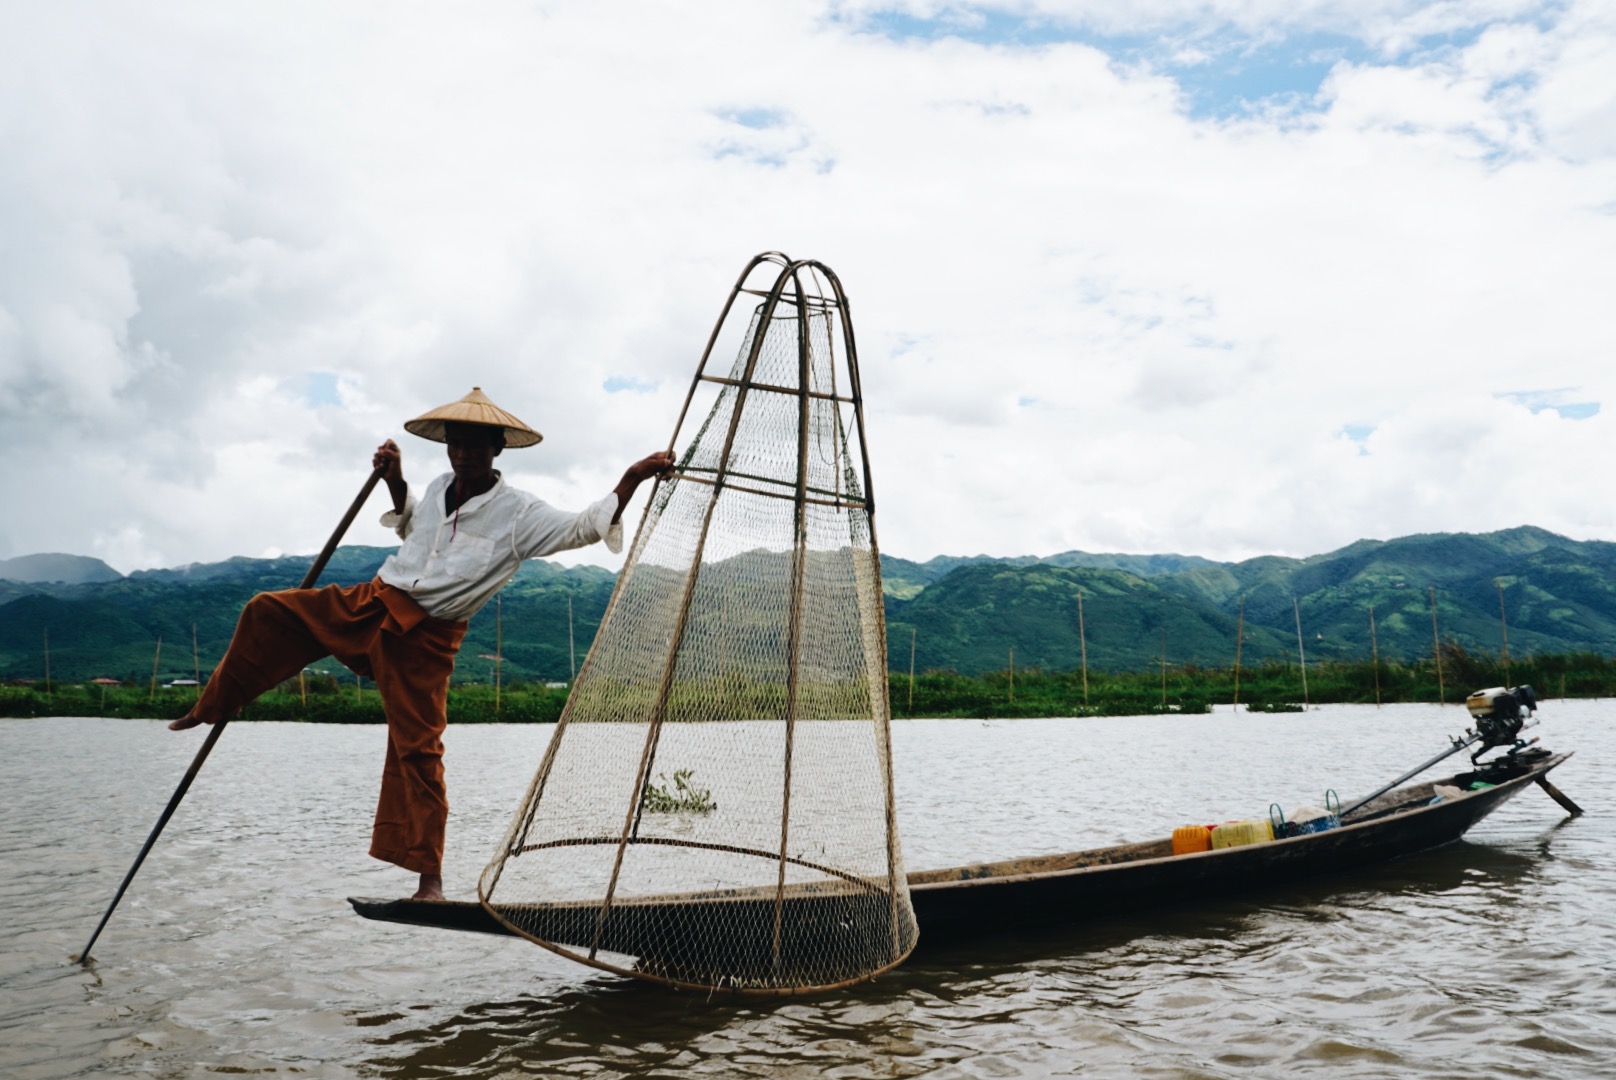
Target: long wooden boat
[(963, 903)]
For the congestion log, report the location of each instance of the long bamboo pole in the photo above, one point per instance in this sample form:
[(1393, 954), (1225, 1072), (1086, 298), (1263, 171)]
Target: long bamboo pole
[(912, 670), (1374, 652), (156, 656), (723, 647), (1083, 644), (218, 729), (681, 620), (1164, 669), (1436, 648), (1301, 652), (1239, 640), (196, 661), (499, 642), (50, 697), (1503, 627), (794, 616)]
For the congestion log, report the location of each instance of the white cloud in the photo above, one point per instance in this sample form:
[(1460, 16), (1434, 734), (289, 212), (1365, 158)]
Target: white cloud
[(1088, 318)]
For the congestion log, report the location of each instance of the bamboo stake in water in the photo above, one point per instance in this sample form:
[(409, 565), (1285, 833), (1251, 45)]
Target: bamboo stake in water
[(1012, 673), (196, 661), (50, 699), (1301, 653), (1436, 649), (1374, 652), (158, 655), (1503, 626), (1164, 669), (1239, 639), (572, 645), (723, 644), (912, 670), (358, 687), (303, 689), (1083, 643), (218, 729), (499, 644)]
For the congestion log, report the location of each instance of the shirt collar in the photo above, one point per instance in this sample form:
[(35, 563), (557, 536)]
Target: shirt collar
[(471, 505)]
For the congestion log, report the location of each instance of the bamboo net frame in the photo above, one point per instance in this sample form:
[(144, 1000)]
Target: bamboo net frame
[(744, 651)]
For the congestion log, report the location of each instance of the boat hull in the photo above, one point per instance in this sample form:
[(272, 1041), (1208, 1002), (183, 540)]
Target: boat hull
[(956, 908), (968, 903)]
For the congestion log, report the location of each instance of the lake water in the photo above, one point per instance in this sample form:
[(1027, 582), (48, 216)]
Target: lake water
[(234, 952)]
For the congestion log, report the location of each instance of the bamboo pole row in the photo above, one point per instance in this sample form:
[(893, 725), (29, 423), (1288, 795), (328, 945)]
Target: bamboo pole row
[(1240, 623), (1374, 646)]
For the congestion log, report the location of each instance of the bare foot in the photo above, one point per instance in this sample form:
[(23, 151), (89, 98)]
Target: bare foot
[(189, 720), (431, 888)]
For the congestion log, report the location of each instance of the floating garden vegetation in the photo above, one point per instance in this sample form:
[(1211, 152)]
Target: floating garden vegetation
[(684, 798)]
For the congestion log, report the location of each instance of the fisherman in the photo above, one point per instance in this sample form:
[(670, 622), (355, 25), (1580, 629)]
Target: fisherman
[(462, 542)]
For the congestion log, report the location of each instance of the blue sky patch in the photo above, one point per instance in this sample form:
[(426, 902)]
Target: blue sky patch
[(1555, 401), (1359, 433), (746, 153), (981, 25), (769, 137), (1240, 77), (1224, 72), (320, 388), (1579, 410), (632, 384), (758, 119)]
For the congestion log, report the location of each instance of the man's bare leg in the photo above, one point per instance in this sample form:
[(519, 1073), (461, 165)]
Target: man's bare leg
[(431, 888)]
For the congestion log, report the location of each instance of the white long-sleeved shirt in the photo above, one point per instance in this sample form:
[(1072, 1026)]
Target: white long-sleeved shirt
[(453, 564)]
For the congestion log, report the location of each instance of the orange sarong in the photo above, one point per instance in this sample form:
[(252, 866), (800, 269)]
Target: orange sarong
[(379, 632)]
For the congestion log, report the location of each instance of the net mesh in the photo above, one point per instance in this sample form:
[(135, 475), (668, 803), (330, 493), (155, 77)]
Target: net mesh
[(715, 807)]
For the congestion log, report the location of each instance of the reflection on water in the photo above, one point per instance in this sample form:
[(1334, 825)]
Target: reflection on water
[(234, 952)]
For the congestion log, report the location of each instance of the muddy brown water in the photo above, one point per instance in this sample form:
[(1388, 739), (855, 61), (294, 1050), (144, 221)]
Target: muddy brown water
[(235, 953)]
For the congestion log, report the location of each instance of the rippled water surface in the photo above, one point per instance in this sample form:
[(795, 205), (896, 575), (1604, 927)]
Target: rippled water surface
[(234, 952)]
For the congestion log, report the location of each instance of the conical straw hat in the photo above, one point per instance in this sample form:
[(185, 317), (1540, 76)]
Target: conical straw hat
[(474, 408)]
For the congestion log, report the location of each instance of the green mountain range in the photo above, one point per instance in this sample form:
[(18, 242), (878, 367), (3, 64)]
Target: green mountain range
[(68, 569), (966, 614)]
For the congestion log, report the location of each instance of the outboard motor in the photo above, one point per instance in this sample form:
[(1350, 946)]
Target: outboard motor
[(1499, 715)]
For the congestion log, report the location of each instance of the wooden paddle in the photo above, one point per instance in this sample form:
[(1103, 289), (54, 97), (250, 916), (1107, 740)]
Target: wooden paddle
[(218, 729), (1559, 796)]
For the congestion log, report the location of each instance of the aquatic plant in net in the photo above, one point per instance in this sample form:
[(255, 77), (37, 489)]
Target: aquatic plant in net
[(715, 807)]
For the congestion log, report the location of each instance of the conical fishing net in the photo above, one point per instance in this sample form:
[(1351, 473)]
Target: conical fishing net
[(715, 806)]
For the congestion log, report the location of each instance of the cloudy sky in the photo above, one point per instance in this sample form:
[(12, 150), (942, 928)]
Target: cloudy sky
[(1223, 277)]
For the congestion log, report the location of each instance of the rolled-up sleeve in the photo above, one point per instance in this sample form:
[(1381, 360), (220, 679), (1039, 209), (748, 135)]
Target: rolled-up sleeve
[(544, 530), (401, 521)]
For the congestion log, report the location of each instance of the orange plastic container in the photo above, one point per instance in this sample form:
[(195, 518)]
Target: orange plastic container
[(1188, 838)]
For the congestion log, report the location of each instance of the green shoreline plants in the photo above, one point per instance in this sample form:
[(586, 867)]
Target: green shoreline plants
[(1270, 687)]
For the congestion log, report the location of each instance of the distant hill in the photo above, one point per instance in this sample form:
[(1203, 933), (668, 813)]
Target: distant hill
[(970, 619), (905, 579), (960, 613), (67, 569), (112, 628), (1558, 594)]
